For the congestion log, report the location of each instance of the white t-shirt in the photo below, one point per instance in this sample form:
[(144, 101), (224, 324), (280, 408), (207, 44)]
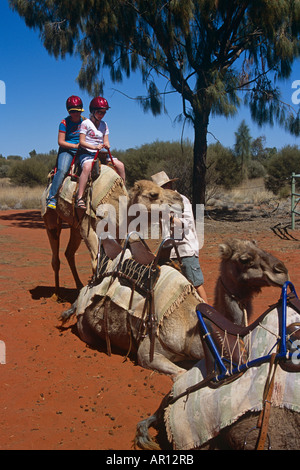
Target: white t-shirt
[(94, 135), (189, 246)]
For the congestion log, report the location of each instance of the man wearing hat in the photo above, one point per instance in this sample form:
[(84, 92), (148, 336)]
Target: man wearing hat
[(188, 247)]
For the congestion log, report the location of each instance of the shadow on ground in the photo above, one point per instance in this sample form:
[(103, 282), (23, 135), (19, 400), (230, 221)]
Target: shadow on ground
[(46, 292)]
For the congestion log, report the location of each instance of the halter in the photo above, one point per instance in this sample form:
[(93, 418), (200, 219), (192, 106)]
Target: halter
[(238, 301)]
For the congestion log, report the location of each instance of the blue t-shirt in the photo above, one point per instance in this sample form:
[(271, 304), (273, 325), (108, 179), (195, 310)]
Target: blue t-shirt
[(71, 129)]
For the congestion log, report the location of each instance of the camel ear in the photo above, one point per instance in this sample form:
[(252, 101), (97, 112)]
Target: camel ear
[(136, 186), (225, 250), (134, 190)]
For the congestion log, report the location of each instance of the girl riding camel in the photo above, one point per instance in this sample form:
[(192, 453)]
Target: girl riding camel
[(68, 141), (93, 137)]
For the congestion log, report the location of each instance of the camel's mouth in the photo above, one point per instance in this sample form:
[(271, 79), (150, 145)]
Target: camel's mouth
[(275, 282), (268, 280)]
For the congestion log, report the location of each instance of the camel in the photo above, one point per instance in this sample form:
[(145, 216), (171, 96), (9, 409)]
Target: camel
[(82, 225), (229, 416), (244, 270), (107, 191), (177, 337)]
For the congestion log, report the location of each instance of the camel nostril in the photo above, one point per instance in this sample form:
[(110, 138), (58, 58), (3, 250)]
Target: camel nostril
[(280, 268)]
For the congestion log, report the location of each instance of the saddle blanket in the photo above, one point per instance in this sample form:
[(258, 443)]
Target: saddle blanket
[(170, 290), (193, 421), (103, 187)]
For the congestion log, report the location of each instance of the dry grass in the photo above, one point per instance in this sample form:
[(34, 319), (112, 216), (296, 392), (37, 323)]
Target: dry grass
[(251, 191), (19, 197)]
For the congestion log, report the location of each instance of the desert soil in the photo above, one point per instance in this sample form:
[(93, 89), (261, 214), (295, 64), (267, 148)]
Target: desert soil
[(56, 392)]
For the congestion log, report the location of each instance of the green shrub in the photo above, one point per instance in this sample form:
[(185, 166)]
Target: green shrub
[(32, 171), (175, 158), (280, 168), (256, 169), (227, 171), (29, 172)]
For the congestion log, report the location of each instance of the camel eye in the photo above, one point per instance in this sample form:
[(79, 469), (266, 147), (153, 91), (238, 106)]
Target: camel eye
[(244, 259), (154, 195)]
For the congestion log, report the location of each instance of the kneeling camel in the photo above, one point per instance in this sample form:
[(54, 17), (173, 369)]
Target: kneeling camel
[(245, 269)]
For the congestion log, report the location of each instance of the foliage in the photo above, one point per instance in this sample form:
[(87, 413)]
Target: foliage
[(14, 157), (208, 51), (255, 169), (281, 167), (242, 148), (223, 167), (174, 158), (31, 171)]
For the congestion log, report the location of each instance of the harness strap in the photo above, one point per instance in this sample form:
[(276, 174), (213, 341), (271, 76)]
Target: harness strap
[(193, 388), (263, 420), (105, 321), (152, 325)]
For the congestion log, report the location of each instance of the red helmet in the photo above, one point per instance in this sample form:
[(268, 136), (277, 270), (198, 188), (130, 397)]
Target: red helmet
[(98, 103), (74, 103)]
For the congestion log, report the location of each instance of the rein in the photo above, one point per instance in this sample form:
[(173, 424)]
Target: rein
[(263, 420)]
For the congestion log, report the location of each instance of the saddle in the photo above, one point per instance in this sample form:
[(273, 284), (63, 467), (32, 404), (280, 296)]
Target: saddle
[(225, 336), (144, 266), (228, 338), (140, 272), (108, 250)]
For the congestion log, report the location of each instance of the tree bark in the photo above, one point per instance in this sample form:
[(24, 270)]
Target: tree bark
[(200, 150)]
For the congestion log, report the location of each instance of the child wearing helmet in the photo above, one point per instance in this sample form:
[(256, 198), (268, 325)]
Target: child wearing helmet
[(93, 137), (68, 141)]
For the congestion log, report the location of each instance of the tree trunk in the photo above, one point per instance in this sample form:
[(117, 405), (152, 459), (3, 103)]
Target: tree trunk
[(200, 150)]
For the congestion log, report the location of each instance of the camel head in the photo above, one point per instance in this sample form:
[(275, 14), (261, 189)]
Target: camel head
[(147, 192), (245, 269), (159, 204)]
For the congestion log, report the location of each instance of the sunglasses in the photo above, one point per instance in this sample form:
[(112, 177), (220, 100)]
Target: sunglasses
[(99, 111)]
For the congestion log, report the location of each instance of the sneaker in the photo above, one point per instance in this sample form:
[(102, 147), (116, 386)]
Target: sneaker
[(51, 205)]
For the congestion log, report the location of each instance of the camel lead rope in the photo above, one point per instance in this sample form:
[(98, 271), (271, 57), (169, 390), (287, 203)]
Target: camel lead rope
[(263, 420), (245, 317)]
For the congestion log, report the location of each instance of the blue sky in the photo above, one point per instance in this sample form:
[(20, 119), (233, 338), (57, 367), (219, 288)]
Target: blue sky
[(37, 86)]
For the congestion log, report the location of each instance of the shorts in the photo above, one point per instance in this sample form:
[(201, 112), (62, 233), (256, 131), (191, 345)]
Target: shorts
[(85, 156), (192, 270)]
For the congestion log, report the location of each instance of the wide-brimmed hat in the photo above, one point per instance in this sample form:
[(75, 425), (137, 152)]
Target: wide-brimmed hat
[(162, 178)]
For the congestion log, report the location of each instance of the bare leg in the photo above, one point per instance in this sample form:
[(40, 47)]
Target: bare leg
[(121, 168), (202, 293), (84, 177)]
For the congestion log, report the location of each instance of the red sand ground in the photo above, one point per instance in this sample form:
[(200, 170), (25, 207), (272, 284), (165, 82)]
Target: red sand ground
[(56, 392)]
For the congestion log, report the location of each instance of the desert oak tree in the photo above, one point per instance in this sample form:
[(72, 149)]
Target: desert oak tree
[(215, 53)]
